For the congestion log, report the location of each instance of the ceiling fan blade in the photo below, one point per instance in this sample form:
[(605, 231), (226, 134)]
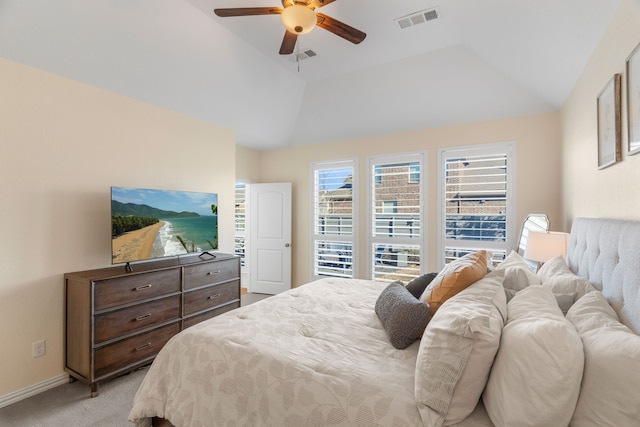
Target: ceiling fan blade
[(341, 29), (247, 11), (320, 3), (288, 43)]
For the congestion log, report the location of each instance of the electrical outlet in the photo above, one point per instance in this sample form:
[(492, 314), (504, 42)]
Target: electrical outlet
[(39, 348)]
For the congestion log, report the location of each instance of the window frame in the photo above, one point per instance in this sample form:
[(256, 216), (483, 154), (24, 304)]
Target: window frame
[(353, 238), (507, 148), (245, 262), (373, 165)]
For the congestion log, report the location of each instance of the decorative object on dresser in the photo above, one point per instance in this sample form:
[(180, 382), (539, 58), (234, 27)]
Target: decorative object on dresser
[(118, 320)]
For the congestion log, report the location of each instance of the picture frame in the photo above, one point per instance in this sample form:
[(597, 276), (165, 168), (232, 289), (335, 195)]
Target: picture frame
[(609, 108), (632, 69)]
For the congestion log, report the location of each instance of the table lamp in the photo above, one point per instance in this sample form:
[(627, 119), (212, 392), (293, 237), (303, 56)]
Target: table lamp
[(542, 246)]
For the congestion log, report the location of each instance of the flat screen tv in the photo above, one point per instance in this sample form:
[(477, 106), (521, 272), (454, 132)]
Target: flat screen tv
[(148, 224)]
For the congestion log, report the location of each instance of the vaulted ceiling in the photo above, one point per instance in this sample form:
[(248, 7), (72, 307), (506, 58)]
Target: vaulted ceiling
[(479, 60)]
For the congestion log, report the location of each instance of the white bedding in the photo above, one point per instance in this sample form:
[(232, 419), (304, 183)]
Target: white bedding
[(318, 355), (315, 355)]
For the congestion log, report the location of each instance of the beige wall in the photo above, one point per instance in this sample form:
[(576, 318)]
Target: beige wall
[(63, 145), (615, 191), (247, 164), (538, 176)]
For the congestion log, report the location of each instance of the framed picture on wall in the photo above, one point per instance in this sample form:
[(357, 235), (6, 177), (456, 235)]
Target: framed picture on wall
[(633, 100), (609, 127)]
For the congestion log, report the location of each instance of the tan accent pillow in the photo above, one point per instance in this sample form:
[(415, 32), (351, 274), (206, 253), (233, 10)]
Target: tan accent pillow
[(456, 276)]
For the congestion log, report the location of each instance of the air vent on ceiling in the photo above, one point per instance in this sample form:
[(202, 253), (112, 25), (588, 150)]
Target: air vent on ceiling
[(418, 18), (301, 56)]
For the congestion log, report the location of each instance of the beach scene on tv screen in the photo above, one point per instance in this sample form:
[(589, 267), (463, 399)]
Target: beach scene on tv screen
[(149, 224)]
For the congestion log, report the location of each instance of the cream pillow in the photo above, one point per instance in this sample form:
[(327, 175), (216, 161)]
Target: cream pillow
[(556, 275), (513, 260), (535, 378), (610, 391), (517, 279), (553, 267), (518, 275), (456, 276), (457, 350), (565, 285)]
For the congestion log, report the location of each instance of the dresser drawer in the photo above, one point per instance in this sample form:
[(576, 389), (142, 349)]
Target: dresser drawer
[(134, 288), (210, 273), (122, 322), (212, 296), (130, 351), (192, 320)]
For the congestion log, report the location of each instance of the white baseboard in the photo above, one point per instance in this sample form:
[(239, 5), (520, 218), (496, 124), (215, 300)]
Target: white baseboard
[(32, 390)]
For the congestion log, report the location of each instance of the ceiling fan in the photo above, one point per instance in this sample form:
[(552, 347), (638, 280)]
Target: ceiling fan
[(299, 17)]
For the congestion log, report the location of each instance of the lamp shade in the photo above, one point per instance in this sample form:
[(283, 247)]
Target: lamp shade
[(298, 19), (542, 246)]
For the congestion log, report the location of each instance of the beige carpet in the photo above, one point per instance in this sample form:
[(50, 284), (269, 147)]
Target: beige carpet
[(69, 405)]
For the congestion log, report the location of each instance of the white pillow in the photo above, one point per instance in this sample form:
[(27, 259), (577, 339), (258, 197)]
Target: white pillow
[(535, 379), (556, 275), (518, 278), (513, 260), (457, 350), (518, 275), (565, 301), (610, 392)]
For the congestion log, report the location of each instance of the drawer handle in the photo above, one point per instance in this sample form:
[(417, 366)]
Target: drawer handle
[(216, 296), (144, 316), (213, 273), (142, 347), (142, 288)]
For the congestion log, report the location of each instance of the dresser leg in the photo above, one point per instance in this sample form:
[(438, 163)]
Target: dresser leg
[(94, 390), (72, 379)]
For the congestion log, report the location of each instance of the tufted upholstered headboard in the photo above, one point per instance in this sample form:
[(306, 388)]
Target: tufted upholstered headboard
[(607, 253)]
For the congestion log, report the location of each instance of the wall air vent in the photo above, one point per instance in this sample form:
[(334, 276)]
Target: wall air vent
[(301, 56), (418, 18)]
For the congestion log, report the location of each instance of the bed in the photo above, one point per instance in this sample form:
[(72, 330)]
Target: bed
[(320, 354)]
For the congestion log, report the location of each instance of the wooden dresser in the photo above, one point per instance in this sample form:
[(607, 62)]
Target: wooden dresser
[(118, 320)]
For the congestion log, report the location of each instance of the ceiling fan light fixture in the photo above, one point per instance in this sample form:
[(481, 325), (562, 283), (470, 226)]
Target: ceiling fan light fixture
[(298, 19)]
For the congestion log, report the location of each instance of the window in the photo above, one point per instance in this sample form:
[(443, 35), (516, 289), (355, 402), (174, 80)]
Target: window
[(378, 175), (334, 190), (414, 176), (396, 217), (389, 206), (240, 222), (476, 201)]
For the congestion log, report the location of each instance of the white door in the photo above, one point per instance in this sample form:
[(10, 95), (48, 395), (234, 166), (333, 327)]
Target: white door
[(270, 231)]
